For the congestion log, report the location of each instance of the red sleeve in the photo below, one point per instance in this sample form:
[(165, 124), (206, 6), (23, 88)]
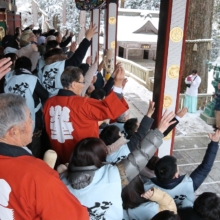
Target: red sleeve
[(56, 202), (111, 107)]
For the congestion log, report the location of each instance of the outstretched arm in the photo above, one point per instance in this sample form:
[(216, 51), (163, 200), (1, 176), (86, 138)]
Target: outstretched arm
[(164, 200), (137, 160), (144, 127), (176, 119), (89, 75), (77, 58), (202, 171)]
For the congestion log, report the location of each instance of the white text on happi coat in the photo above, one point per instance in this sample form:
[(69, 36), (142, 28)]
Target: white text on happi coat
[(61, 128)]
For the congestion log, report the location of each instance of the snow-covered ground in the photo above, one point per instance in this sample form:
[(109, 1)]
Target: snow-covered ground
[(133, 86), (190, 123)]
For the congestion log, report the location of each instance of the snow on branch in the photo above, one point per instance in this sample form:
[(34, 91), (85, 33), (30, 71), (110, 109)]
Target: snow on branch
[(44, 13)]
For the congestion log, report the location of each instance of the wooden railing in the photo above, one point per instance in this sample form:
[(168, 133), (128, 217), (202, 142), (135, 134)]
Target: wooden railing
[(203, 99), (143, 75)]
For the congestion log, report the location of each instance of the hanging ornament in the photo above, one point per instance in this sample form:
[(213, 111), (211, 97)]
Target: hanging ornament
[(195, 47), (209, 46), (109, 63)]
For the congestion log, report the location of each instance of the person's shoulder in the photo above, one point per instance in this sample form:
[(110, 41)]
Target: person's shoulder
[(108, 173), (30, 166), (31, 76), (38, 168)]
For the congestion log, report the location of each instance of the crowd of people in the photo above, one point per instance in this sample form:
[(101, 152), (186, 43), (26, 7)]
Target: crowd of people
[(69, 149)]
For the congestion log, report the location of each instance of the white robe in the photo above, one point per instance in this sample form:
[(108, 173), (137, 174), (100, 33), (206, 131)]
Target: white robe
[(193, 89)]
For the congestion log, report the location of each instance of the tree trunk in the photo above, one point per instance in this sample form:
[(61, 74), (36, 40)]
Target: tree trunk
[(199, 26), (122, 4)]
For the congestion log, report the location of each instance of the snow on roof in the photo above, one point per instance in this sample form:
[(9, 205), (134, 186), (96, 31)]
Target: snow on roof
[(135, 12), (147, 27), (137, 29)]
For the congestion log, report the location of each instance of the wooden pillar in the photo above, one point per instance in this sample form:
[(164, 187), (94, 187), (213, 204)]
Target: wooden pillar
[(34, 12), (82, 22), (111, 26), (95, 14), (122, 5), (64, 13), (127, 51), (170, 48)]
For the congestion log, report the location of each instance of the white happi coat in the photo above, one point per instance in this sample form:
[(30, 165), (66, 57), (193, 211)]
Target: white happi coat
[(103, 195)]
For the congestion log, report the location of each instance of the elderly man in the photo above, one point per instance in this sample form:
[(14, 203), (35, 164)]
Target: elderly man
[(29, 188), (69, 118)]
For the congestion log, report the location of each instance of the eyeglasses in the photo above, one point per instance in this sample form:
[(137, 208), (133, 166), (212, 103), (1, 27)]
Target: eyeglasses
[(82, 82)]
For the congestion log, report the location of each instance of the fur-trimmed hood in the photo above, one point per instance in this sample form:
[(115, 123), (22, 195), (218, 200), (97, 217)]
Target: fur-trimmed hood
[(54, 55), (54, 58)]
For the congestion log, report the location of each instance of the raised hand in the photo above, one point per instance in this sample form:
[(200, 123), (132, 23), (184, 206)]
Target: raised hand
[(5, 64), (73, 46), (91, 31), (117, 66), (148, 194), (151, 109), (182, 112), (120, 74), (165, 121), (89, 60), (71, 34), (215, 137), (96, 57), (125, 80), (119, 77)]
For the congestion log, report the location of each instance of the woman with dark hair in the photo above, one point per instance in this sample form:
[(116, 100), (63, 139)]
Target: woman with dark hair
[(97, 184), (118, 146), (22, 82), (141, 205)]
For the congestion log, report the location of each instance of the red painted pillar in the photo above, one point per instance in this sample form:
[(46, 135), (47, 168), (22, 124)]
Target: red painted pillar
[(111, 26), (170, 55)]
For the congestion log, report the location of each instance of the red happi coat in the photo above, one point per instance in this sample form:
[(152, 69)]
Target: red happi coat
[(70, 118), (31, 190)]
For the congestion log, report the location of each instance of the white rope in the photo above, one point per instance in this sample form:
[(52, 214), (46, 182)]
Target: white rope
[(199, 40)]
